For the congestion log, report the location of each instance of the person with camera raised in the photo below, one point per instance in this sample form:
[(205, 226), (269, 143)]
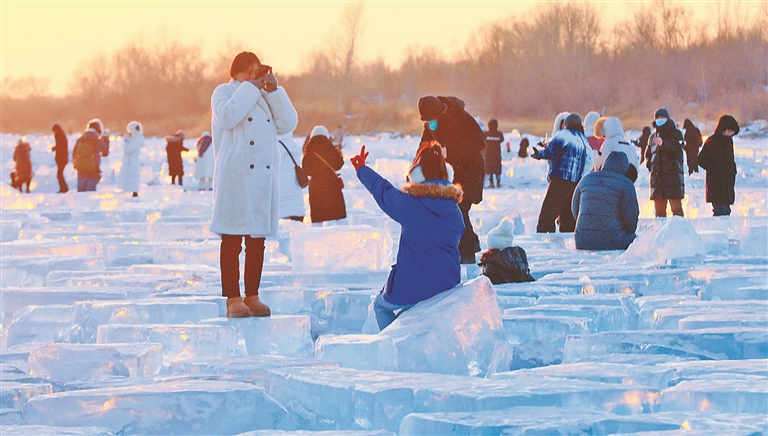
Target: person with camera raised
[(446, 122), (249, 112)]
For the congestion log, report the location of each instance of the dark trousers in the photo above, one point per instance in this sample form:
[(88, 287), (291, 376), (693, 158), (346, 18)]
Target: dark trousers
[(557, 206), (231, 246), (174, 178), (721, 209), (470, 243), (60, 175)]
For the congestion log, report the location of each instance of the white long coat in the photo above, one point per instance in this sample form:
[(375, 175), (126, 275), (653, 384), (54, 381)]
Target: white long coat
[(130, 172), (291, 194), (204, 165), (245, 124)]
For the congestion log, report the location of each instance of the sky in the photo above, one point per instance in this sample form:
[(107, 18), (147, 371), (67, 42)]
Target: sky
[(49, 39)]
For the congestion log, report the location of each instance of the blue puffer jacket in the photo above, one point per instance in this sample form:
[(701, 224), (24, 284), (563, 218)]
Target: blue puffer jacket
[(605, 207), (432, 225), (567, 155)]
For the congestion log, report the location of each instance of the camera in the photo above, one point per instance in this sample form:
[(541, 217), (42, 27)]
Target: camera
[(263, 70)]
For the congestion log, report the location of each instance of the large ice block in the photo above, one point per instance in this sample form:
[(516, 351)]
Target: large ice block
[(697, 368), (179, 341), (16, 298), (70, 362), (43, 325), (674, 239), (10, 418), (318, 433), (649, 304), (358, 351), (14, 395), (458, 331), (682, 423), (669, 318), (751, 293), (718, 393), (722, 286), (173, 408), (40, 265), (651, 376), (604, 318), (521, 327), (48, 430), (341, 249), (722, 318), (280, 335)]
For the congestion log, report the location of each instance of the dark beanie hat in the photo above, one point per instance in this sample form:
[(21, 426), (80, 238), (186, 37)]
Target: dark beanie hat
[(661, 112), (573, 120), (430, 108)]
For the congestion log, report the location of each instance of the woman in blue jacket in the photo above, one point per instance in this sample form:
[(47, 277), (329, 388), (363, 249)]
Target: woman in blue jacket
[(427, 209)]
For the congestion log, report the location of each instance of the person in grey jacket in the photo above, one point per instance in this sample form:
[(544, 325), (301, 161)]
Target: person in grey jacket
[(605, 207)]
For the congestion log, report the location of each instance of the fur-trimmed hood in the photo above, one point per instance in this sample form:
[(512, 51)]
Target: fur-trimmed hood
[(440, 196)]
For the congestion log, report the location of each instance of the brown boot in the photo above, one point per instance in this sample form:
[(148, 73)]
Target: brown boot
[(236, 308), (257, 307)]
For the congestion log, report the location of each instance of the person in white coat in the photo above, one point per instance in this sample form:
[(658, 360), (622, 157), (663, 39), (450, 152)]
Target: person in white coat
[(613, 133), (204, 162), (130, 173), (249, 112), (291, 193)]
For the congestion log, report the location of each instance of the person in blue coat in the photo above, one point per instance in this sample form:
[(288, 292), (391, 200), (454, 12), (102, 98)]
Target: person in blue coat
[(605, 206), (427, 209)]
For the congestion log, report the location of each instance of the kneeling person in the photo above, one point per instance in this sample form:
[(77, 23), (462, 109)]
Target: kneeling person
[(427, 208), (605, 207)]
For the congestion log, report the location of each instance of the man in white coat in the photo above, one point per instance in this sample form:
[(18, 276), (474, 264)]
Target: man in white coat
[(130, 172), (249, 113)]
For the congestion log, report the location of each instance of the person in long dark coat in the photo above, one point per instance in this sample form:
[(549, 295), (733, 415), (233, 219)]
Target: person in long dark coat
[(664, 159), (692, 145), (321, 161), (62, 156), (717, 159), (446, 122), (642, 142), (523, 150), (492, 154), (23, 173), (173, 150)]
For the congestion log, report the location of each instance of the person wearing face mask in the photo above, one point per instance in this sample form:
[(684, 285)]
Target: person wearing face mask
[(716, 158), (463, 141), (664, 159), (249, 112)]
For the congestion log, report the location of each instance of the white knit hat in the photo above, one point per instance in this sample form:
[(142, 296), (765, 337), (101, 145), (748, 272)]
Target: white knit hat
[(319, 131), (500, 237)]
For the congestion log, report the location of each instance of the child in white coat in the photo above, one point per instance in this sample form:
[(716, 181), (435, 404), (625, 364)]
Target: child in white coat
[(130, 172)]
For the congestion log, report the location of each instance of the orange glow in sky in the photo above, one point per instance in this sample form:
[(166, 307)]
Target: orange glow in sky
[(48, 39)]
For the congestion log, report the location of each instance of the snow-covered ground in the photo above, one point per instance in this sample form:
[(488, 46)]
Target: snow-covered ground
[(112, 320)]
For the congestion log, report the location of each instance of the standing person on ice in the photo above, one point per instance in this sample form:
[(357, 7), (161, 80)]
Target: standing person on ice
[(86, 157), (567, 155), (692, 139), (427, 208), (613, 135), (204, 162), (62, 156), (249, 113), (717, 159), (130, 172), (173, 151), (23, 174), (492, 154), (446, 122), (664, 158), (321, 161)]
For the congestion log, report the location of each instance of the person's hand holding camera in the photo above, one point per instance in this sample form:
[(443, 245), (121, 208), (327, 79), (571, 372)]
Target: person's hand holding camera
[(270, 82)]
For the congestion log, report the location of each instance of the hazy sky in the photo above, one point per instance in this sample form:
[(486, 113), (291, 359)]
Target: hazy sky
[(50, 38)]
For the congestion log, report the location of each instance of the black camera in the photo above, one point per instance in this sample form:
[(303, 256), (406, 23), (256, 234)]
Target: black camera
[(263, 70)]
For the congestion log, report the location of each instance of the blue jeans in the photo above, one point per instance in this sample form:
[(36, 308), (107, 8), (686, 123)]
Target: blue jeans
[(721, 209), (87, 182), (385, 312)]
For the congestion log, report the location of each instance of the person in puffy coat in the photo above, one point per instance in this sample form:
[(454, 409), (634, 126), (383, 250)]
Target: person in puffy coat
[(427, 208), (717, 159), (62, 156), (613, 133), (23, 174), (291, 193), (664, 159), (173, 151), (130, 172), (321, 161), (249, 112), (492, 154), (446, 122), (692, 145), (204, 162), (605, 206)]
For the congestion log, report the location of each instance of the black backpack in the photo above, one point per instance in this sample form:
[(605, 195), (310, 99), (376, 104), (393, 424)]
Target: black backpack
[(509, 265)]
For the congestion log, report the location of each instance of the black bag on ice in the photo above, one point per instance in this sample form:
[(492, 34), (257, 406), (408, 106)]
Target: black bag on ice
[(509, 265)]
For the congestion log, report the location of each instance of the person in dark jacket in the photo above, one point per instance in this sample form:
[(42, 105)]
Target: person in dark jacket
[(321, 161), (173, 151), (492, 154), (23, 170), (446, 122), (717, 159), (664, 159), (692, 145), (427, 208), (605, 206), (523, 150), (567, 156), (62, 156), (86, 157), (642, 142)]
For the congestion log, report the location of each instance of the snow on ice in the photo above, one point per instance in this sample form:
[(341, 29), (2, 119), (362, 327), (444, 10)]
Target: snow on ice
[(112, 320)]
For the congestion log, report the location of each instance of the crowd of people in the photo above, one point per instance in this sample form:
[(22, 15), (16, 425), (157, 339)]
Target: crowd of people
[(257, 172)]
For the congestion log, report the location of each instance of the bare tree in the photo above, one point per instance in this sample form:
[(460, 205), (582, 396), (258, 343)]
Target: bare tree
[(25, 87)]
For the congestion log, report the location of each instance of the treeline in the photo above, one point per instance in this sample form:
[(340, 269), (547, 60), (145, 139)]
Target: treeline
[(566, 56)]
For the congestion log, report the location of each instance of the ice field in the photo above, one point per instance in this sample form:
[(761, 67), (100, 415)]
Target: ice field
[(113, 323)]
